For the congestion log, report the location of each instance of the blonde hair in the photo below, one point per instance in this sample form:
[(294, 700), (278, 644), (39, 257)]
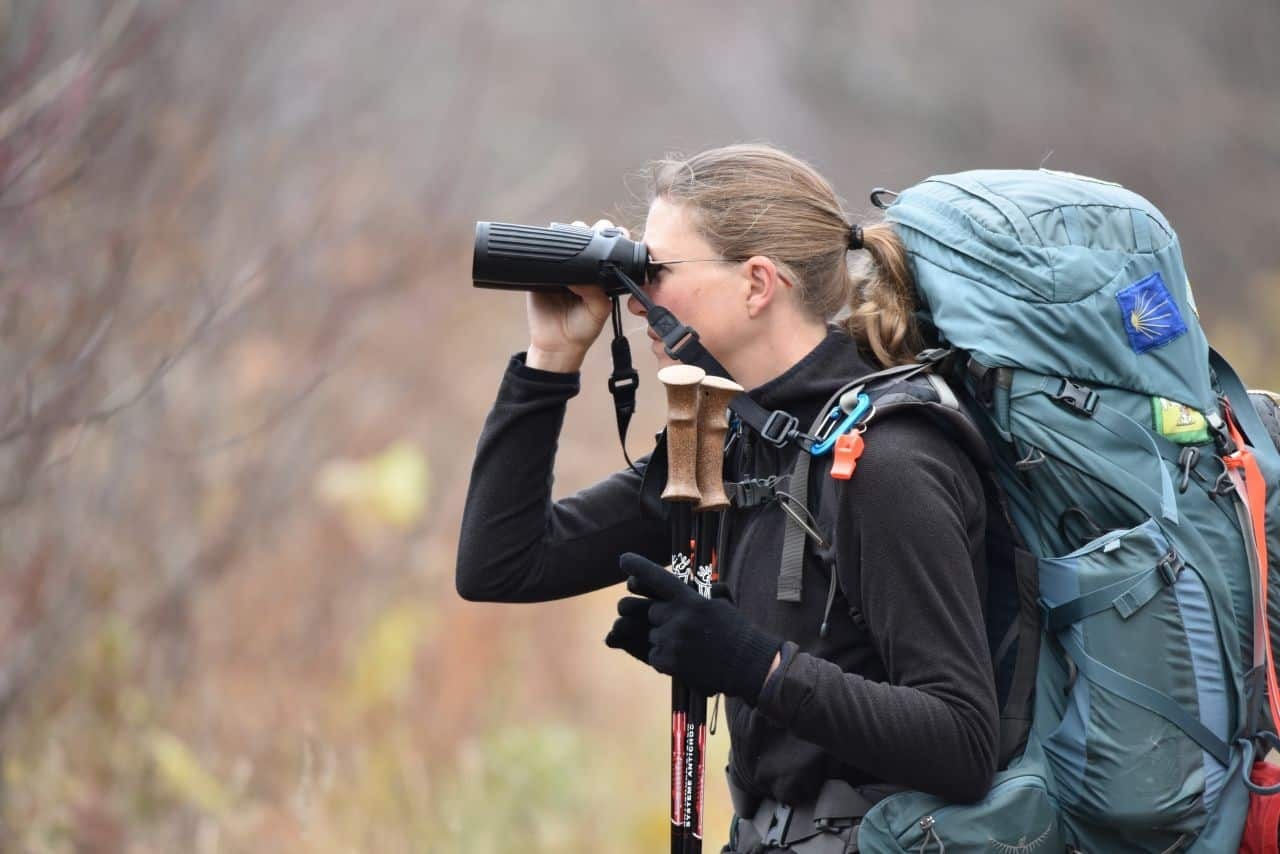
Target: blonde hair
[(754, 199)]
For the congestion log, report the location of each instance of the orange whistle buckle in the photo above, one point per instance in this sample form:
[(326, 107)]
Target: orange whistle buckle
[(844, 456)]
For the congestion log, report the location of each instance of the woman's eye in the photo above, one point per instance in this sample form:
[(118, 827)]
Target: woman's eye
[(653, 272)]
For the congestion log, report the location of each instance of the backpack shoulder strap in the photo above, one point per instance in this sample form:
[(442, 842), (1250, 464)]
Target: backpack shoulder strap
[(1008, 587), (925, 393)]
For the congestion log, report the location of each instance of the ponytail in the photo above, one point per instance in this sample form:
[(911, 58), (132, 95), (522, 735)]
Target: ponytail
[(883, 300)]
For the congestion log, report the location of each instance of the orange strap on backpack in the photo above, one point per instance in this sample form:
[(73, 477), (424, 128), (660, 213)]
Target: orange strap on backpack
[(1255, 497)]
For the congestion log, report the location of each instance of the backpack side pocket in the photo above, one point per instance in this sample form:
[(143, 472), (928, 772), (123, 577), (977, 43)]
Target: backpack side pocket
[(1143, 741)]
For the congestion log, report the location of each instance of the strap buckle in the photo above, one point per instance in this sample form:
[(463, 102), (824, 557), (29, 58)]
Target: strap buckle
[(1170, 567), (984, 382), (677, 338), (780, 428), (626, 381), (752, 491), (1221, 434), (778, 825), (1079, 399)]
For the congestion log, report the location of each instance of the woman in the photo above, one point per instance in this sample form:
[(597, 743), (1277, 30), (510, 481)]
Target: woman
[(750, 247)]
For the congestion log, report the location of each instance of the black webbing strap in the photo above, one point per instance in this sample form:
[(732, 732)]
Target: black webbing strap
[(681, 343), (623, 382), (790, 585)]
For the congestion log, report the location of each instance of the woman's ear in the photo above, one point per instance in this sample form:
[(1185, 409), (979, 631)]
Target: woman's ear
[(764, 281)]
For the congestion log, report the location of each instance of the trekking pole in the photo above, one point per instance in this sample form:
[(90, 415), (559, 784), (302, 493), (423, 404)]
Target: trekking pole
[(681, 494), (713, 423)]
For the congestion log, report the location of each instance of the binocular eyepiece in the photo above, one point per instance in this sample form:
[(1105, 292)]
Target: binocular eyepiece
[(531, 258)]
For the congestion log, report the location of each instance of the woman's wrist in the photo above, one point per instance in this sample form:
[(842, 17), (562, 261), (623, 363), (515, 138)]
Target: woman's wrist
[(556, 361)]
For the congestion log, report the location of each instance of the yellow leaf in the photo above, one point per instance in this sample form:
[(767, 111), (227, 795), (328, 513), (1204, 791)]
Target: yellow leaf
[(389, 488), (384, 664), (183, 774), (400, 484)]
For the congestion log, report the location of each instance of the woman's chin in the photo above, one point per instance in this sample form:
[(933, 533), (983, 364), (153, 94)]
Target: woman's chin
[(659, 353)]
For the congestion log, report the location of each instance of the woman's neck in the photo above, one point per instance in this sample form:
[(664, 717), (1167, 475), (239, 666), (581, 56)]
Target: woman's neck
[(774, 351)]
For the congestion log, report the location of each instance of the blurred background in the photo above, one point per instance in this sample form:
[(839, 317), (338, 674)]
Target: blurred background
[(242, 366)]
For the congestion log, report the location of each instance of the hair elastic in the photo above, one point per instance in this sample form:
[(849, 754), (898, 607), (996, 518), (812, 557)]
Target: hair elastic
[(855, 237)]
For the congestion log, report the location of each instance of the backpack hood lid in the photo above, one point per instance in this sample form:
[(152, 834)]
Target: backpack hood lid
[(1057, 273)]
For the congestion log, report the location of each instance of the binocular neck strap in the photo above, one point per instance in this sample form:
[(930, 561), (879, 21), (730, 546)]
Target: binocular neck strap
[(623, 382), (681, 343)]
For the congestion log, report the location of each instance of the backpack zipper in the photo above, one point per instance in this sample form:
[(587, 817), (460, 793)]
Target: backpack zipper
[(928, 824)]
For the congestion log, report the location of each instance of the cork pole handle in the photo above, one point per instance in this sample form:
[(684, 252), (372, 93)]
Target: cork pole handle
[(713, 423), (682, 431)]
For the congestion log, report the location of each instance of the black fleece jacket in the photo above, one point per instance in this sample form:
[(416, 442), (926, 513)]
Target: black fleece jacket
[(900, 690)]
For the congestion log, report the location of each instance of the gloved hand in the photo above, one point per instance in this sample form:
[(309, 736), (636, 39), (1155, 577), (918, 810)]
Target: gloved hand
[(632, 632), (706, 643)]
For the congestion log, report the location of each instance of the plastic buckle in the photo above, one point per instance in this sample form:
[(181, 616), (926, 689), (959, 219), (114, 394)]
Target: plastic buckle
[(753, 491), (681, 335), (1221, 435), (984, 382), (779, 428), (778, 826), (933, 355), (1170, 567), (625, 381), (1077, 398)]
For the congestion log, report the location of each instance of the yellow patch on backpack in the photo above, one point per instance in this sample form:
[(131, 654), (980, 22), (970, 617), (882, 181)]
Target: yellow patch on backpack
[(1178, 422)]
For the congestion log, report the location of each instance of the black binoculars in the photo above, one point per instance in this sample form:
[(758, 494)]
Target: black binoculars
[(531, 258)]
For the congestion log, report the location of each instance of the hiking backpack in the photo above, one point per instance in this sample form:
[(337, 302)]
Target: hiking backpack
[(1128, 615)]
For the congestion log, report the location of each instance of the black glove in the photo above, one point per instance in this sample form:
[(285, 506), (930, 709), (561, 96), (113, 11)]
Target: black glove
[(706, 643), (632, 633)]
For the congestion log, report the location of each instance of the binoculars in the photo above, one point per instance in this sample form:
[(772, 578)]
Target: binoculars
[(530, 258)]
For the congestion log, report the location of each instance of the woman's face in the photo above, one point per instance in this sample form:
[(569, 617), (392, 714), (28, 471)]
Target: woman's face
[(709, 295)]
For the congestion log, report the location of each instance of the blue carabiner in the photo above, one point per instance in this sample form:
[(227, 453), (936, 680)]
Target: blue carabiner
[(864, 403)]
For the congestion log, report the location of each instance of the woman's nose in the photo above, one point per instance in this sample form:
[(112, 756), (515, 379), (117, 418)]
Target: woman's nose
[(635, 307)]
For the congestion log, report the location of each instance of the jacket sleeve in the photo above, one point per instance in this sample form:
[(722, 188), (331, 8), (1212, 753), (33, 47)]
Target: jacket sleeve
[(516, 545), (909, 535)]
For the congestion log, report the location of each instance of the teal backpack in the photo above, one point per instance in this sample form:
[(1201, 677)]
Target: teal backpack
[(1135, 471)]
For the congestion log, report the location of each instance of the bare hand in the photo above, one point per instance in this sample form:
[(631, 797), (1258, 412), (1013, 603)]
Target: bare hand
[(562, 327)]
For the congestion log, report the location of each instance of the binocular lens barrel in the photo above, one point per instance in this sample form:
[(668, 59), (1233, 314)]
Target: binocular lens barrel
[(531, 258)]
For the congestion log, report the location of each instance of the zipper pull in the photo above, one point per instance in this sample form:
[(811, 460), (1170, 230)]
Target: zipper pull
[(931, 837)]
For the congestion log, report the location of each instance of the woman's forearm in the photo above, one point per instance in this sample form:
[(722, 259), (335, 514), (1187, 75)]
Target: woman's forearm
[(516, 545)]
